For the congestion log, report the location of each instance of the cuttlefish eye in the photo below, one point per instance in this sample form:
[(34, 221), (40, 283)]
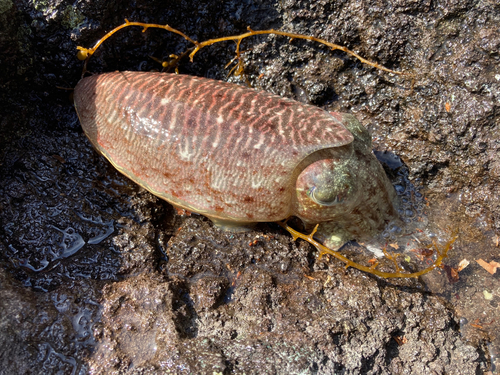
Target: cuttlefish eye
[(329, 195), (327, 183), (325, 189)]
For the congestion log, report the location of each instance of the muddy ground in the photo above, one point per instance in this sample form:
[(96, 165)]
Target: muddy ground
[(99, 276)]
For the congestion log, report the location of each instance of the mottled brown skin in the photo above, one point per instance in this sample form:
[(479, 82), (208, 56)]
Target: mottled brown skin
[(237, 155), (369, 198)]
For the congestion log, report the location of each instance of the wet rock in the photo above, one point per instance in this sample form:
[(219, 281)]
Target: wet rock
[(209, 291), (17, 311), (92, 263), (48, 332), (323, 321), (146, 328)]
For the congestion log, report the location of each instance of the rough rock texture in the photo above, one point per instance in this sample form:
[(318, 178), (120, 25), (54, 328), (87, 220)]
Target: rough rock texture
[(91, 262), (286, 322)]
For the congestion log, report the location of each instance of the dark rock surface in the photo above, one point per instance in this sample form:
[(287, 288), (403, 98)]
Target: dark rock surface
[(99, 276)]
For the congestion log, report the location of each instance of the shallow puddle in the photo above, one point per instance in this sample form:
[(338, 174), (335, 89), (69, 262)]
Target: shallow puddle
[(473, 292)]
